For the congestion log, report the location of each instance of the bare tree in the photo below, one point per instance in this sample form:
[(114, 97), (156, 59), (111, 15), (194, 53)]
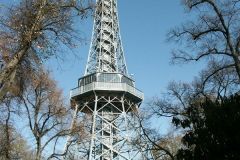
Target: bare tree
[(6, 129), (48, 117), (172, 143), (33, 31), (149, 138), (172, 103), (180, 95), (212, 36), (13, 145)]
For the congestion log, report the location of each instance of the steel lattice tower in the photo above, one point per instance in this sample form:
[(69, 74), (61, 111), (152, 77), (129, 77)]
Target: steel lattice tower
[(106, 100)]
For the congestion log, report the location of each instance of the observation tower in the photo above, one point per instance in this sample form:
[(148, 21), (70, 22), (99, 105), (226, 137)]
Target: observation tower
[(106, 100)]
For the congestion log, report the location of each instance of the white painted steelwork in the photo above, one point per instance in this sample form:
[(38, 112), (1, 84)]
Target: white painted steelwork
[(106, 100), (103, 86), (106, 50), (111, 129)]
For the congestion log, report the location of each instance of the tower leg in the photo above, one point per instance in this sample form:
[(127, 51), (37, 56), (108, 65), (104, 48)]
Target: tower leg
[(93, 129)]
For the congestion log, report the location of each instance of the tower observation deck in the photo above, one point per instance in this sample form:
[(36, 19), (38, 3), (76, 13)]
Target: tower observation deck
[(106, 99)]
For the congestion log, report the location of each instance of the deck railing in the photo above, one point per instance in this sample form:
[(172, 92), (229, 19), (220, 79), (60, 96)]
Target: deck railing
[(106, 86)]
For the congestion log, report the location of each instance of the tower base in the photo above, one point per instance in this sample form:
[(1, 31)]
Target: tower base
[(110, 129)]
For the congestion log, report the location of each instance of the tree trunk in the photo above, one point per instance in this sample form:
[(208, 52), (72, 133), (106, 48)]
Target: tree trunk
[(7, 74), (8, 143), (39, 150)]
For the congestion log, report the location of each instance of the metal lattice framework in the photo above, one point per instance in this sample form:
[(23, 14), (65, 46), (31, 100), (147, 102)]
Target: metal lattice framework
[(106, 101), (106, 51), (114, 129)]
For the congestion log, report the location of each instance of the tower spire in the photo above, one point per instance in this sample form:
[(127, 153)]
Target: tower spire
[(106, 50)]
